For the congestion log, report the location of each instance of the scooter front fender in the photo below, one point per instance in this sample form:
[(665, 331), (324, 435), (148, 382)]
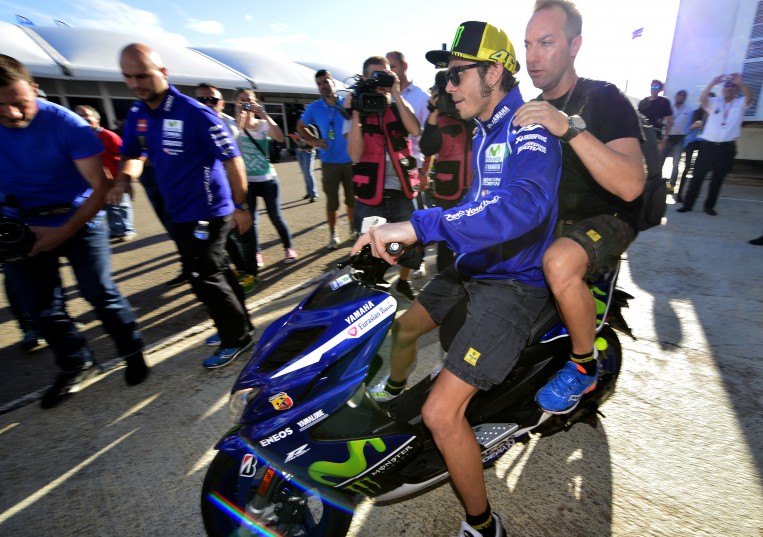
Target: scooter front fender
[(232, 443)]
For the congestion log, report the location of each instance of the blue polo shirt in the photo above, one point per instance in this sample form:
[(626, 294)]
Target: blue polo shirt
[(37, 162), (329, 119), (186, 143)]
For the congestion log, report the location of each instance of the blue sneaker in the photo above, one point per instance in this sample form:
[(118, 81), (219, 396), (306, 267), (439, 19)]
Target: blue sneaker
[(213, 340), (563, 392), (223, 357)]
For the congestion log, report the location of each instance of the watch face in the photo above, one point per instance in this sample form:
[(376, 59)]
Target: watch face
[(577, 123)]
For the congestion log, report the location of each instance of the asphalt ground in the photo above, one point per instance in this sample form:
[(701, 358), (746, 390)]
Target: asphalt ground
[(677, 453)]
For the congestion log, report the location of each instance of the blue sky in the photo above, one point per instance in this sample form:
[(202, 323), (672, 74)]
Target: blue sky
[(345, 33)]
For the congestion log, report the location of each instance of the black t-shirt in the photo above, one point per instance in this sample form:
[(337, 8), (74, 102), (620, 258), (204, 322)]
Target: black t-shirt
[(655, 110), (609, 115)]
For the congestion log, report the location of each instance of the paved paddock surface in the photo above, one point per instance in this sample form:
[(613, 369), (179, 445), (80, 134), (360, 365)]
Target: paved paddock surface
[(678, 453)]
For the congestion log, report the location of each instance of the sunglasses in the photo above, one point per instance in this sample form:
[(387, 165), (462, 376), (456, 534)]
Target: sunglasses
[(453, 75), (208, 100)]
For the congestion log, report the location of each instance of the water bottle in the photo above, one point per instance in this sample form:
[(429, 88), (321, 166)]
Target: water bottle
[(201, 231)]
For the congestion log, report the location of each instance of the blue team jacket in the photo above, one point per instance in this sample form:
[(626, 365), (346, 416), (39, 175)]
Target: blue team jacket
[(506, 219), (186, 143)]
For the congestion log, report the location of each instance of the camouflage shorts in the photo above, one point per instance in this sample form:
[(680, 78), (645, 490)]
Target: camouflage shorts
[(604, 238)]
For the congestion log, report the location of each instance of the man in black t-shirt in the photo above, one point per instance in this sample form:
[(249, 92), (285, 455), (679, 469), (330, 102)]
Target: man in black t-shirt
[(656, 109), (602, 179)]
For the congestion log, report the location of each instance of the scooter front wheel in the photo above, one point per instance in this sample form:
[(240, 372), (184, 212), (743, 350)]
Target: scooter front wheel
[(291, 509)]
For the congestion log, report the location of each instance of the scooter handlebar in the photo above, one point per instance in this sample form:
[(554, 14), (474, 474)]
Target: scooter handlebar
[(394, 249)]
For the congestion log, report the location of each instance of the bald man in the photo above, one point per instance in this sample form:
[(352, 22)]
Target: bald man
[(201, 176)]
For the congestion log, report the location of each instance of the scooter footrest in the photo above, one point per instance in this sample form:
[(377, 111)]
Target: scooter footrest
[(489, 434)]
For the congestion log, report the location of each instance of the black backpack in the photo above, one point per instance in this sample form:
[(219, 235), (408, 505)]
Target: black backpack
[(653, 199)]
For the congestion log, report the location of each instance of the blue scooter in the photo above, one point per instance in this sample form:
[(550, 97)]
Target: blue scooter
[(309, 440)]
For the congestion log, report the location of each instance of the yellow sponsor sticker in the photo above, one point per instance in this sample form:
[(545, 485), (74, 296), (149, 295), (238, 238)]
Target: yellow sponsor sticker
[(472, 356), (593, 235)]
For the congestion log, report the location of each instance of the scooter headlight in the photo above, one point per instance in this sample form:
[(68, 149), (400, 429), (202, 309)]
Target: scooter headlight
[(239, 400)]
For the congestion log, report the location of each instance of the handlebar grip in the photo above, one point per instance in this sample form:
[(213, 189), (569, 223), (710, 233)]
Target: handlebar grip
[(394, 248)]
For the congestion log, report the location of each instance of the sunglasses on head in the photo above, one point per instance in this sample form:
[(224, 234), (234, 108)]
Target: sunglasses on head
[(453, 75), (208, 100)]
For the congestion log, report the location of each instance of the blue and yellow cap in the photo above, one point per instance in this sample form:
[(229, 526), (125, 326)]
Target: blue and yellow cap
[(478, 41)]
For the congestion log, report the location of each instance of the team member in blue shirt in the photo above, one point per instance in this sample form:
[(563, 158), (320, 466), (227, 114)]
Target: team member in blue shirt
[(500, 231), (51, 174), (328, 115), (201, 176)]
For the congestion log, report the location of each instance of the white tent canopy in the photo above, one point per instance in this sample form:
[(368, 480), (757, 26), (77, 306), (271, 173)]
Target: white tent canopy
[(94, 55), (268, 73), (77, 54), (15, 42)]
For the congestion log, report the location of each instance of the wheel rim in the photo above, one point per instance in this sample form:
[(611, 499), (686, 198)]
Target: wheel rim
[(292, 510)]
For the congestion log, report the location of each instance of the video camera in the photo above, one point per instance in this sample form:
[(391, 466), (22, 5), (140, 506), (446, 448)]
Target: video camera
[(365, 99), (444, 104), (16, 239)]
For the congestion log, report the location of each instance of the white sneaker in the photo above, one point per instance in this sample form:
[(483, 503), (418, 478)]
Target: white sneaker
[(380, 393), (333, 241), (420, 273), (468, 531)]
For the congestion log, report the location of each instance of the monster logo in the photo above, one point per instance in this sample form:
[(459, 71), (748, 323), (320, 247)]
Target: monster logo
[(355, 464), (457, 37), (365, 486)]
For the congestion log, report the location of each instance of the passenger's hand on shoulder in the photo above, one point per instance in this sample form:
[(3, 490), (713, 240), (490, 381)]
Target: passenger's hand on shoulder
[(543, 113)]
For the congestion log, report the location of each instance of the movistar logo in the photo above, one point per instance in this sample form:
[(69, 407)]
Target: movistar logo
[(354, 465), (456, 39)]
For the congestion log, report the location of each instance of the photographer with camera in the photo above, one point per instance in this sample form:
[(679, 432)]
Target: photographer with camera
[(380, 148), (50, 166), (448, 138), (256, 130)]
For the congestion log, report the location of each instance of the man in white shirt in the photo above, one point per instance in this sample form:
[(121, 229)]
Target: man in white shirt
[(717, 141)]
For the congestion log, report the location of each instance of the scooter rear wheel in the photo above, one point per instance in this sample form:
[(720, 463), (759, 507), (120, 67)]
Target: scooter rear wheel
[(610, 362), (292, 510)]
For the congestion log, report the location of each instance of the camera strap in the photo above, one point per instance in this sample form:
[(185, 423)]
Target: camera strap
[(255, 143)]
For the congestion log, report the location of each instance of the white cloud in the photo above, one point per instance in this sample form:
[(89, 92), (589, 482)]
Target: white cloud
[(112, 15), (206, 27), (248, 18)]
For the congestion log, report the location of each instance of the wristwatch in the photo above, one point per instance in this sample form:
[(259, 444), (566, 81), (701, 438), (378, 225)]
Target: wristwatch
[(243, 206), (577, 125)]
